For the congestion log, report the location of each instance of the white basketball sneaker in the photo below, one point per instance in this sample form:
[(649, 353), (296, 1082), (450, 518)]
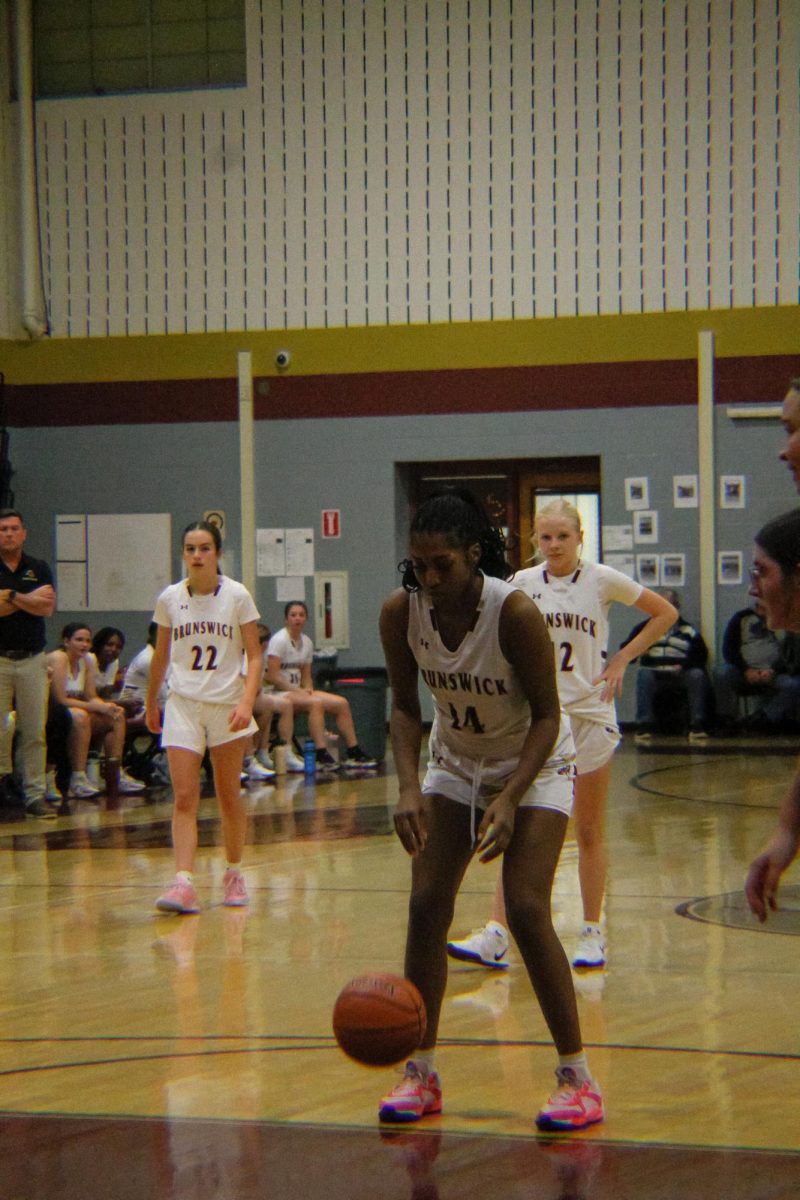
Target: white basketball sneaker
[(591, 951), (487, 946)]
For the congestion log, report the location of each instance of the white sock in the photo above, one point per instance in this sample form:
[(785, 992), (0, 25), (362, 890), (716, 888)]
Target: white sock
[(186, 876), (578, 1064), (425, 1060), (237, 866)]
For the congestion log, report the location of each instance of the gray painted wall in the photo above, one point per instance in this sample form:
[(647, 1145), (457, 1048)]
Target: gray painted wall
[(304, 466)]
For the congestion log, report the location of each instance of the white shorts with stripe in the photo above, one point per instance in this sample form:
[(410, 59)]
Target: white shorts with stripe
[(595, 743), (196, 724), (552, 787)]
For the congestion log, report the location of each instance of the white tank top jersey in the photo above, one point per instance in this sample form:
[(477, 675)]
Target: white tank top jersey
[(107, 677), (480, 710), (138, 673), (206, 639), (76, 684), (293, 655), (575, 610)]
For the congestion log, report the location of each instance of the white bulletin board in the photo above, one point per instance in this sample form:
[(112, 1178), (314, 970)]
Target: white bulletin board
[(126, 561)]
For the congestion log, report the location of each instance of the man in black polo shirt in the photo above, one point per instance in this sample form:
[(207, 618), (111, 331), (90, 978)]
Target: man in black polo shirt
[(27, 596)]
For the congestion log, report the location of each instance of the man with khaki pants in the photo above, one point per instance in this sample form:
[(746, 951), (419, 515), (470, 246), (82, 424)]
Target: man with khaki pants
[(27, 596)]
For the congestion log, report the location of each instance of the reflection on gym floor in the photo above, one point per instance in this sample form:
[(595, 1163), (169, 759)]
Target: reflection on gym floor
[(148, 1055)]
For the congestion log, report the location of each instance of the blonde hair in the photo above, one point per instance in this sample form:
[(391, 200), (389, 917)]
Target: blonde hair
[(557, 508)]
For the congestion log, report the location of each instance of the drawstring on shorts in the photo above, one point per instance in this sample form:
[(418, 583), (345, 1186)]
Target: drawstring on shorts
[(473, 798)]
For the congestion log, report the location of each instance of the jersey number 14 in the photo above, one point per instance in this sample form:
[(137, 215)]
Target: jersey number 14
[(469, 720)]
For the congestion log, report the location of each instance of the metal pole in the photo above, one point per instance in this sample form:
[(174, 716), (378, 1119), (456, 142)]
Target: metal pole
[(707, 488), (247, 471)]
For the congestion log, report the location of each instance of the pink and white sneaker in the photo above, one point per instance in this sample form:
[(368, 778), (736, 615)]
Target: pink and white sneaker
[(235, 891), (573, 1105), (179, 898), (417, 1095)]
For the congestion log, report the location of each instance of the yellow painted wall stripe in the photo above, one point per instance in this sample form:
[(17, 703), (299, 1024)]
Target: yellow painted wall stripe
[(543, 342)]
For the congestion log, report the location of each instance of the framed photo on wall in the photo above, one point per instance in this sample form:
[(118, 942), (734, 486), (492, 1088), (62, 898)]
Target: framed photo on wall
[(732, 491), (645, 526), (684, 491), (729, 567), (637, 493), (673, 570), (647, 571)]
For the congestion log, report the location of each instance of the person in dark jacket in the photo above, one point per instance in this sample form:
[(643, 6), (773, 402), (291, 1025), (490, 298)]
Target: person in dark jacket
[(677, 662), (762, 663)]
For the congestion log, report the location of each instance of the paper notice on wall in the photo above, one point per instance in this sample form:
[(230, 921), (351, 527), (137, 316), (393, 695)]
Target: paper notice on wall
[(626, 563), (617, 537), (72, 567), (299, 552), (72, 586), (71, 538), (292, 587), (270, 552)]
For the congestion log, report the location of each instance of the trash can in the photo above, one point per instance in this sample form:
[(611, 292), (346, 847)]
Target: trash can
[(365, 690), (323, 662)]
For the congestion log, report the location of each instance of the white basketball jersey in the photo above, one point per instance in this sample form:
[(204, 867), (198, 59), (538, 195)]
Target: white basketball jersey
[(206, 639), (293, 655), (480, 710), (575, 609)]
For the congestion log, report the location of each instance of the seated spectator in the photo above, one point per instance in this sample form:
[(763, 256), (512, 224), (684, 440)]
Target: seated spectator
[(137, 675), (760, 663), (107, 645), (675, 663), (93, 720), (269, 705), (289, 656), (150, 761)]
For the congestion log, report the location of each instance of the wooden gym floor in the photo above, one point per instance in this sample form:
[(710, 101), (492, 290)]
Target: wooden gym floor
[(191, 1058)]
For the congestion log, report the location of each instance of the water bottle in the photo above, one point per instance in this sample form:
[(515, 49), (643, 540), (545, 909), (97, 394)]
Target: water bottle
[(309, 757)]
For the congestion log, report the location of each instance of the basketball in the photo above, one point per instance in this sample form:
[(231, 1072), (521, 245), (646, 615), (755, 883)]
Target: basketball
[(379, 1019)]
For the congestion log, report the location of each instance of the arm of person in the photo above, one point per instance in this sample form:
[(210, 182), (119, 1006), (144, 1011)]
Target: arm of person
[(306, 678), (57, 670), (732, 642), (94, 702), (41, 602), (526, 644), (663, 616), (405, 722), (278, 678), (57, 663), (104, 691), (761, 885), (243, 712), (158, 669)]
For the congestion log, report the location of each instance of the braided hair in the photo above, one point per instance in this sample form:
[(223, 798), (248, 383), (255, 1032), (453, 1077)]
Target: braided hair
[(460, 518)]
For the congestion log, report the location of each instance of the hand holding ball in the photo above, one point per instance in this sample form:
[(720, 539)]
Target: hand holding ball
[(379, 1019)]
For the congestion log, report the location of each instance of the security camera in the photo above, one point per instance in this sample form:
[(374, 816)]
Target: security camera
[(282, 359)]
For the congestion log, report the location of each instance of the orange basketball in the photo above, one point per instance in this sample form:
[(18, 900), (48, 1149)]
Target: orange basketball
[(379, 1019)]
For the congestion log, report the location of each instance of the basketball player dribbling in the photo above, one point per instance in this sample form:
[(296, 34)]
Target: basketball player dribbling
[(205, 623), (499, 781)]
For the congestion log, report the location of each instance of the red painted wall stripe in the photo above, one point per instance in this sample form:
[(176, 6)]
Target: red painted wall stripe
[(411, 393)]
